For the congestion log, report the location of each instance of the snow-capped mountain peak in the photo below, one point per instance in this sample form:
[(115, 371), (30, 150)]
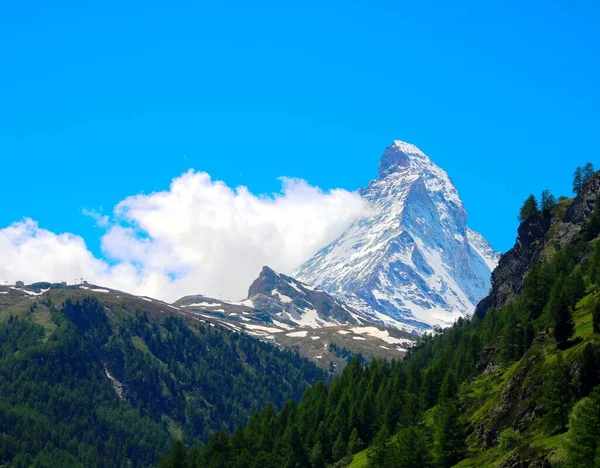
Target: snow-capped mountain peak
[(413, 262)]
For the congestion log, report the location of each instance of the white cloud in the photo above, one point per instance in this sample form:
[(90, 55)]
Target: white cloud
[(101, 220), (200, 236)]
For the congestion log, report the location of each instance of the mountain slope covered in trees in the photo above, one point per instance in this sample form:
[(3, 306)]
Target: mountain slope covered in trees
[(95, 378), (516, 385)]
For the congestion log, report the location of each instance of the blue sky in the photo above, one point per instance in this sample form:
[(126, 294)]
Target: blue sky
[(106, 100)]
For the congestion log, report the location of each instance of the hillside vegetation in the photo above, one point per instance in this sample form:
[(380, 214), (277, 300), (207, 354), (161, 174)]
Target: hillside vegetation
[(104, 380), (515, 385)]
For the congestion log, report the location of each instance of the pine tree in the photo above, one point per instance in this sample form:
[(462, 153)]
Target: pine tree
[(596, 317), (529, 208), (178, 455), (393, 411), (589, 370), (536, 288), (449, 389), (355, 444), (574, 288), (584, 427), (560, 312), (594, 266), (512, 338), (432, 379), (317, 458), (556, 398), (194, 456), (578, 181), (412, 449), (295, 457), (379, 449), (588, 172), (449, 435), (339, 448), (548, 201)]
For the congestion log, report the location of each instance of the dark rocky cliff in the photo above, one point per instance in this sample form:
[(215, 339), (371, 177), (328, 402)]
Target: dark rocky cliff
[(539, 232)]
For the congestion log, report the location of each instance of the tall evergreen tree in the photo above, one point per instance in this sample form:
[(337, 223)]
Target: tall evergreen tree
[(574, 288), (412, 449), (596, 317), (594, 265), (512, 338), (449, 389), (449, 435), (588, 172), (548, 201), (355, 444), (379, 449), (317, 457), (179, 455), (556, 399), (536, 288), (339, 448), (560, 312), (578, 180), (529, 208), (584, 426), (589, 370)]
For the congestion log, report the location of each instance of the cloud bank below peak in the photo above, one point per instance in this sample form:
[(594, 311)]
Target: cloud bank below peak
[(200, 236)]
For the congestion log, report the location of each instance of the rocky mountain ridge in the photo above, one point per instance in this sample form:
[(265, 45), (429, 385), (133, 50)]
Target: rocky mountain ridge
[(413, 263), (538, 237)]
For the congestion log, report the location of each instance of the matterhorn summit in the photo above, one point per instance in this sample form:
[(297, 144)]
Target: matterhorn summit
[(413, 262)]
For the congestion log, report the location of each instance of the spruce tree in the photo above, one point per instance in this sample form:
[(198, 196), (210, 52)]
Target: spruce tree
[(355, 444), (588, 172), (574, 288), (511, 348), (589, 370), (317, 458), (593, 271), (393, 411), (449, 435), (536, 288), (596, 317), (584, 426), (592, 227), (529, 208), (179, 455), (379, 449), (449, 389), (578, 180), (548, 201), (412, 449), (556, 395), (339, 450), (560, 313)]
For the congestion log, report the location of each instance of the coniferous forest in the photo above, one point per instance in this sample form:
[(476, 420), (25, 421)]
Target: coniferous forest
[(58, 408), (515, 385)]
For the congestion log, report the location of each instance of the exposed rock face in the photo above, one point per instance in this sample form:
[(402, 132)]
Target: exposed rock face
[(534, 234), (413, 262), (292, 302), (287, 313), (507, 278)]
